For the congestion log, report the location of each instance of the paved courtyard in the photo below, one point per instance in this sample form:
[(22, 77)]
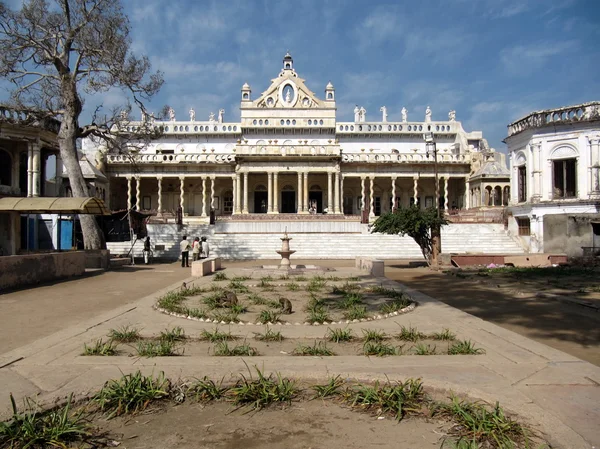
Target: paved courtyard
[(556, 392)]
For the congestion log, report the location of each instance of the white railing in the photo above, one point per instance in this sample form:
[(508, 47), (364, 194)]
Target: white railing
[(396, 127), (301, 149), (567, 114), (411, 157), (190, 158)]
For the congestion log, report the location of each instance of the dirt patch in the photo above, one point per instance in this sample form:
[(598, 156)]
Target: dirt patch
[(312, 424)]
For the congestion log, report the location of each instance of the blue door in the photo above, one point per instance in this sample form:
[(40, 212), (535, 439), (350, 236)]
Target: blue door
[(66, 234)]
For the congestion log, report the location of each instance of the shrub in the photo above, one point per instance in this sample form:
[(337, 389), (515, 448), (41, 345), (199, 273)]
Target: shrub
[(268, 316), (378, 348), (263, 391), (356, 312), (161, 348), (100, 348), (216, 335), (464, 347), (269, 335), (339, 335), (125, 334), (410, 334)]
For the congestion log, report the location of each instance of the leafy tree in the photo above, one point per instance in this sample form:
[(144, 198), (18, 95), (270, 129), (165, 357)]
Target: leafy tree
[(52, 51), (420, 224)]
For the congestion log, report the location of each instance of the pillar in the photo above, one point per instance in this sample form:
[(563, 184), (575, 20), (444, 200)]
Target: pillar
[(415, 189), (30, 169), (138, 193), (36, 169), (159, 179), (594, 168), (305, 188), (393, 193), (299, 206), (371, 195), (204, 202), (129, 205), (269, 192), (181, 195), (341, 194), (446, 193), (362, 193), (329, 192), (245, 206), (238, 194), (275, 193), (336, 187), (212, 193), (537, 172)]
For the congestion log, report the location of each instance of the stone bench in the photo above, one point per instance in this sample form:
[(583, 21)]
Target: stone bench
[(375, 267), (204, 267)]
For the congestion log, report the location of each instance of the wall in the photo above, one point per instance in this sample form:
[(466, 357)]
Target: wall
[(567, 233), (31, 269)]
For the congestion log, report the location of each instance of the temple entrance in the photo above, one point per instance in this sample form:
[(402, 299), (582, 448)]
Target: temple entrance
[(315, 198), (288, 202), (260, 202)]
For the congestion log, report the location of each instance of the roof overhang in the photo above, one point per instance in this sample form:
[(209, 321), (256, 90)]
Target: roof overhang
[(48, 205)]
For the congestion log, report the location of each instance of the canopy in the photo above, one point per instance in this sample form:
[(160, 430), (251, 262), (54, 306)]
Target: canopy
[(47, 205)]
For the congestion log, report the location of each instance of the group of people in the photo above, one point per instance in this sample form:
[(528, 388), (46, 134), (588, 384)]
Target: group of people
[(199, 248)]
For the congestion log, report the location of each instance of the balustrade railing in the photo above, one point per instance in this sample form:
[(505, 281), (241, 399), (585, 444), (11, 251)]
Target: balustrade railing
[(567, 114)]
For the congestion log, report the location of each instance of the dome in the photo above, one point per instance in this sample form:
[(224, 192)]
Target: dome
[(246, 86), (491, 169), (329, 85)]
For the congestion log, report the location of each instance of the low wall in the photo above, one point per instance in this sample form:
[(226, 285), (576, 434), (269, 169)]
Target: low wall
[(31, 269), (524, 260), (97, 258)]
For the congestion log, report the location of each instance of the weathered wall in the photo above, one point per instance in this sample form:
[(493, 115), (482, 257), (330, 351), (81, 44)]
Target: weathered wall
[(567, 233), (20, 271)]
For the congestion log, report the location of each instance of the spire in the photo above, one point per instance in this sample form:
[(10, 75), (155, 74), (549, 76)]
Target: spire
[(288, 62)]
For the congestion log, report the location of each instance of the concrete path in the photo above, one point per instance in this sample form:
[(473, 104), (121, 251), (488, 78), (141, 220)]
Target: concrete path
[(556, 393)]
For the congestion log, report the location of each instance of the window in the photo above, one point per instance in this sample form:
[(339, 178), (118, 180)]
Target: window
[(377, 206), (522, 183), (524, 226), (565, 183), (227, 202), (5, 168)]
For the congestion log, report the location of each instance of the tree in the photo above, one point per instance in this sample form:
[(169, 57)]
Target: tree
[(52, 51), (414, 222)]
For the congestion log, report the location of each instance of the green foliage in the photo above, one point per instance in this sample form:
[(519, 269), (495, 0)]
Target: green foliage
[(161, 348), (263, 391), (464, 347), (216, 335), (268, 316), (173, 335), (351, 300), (373, 335), (32, 428), (269, 335), (319, 348), (413, 221), (220, 276), (378, 348), (331, 388), (125, 334), (238, 286), (318, 315), (423, 349), (172, 302), (355, 312), (222, 349), (191, 291), (100, 347), (316, 284), (292, 287), (206, 390), (394, 306), (238, 308), (227, 316), (410, 334), (444, 335), (197, 313), (131, 393), (339, 335)]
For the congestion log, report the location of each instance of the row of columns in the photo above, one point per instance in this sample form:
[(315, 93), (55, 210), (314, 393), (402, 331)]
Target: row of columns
[(34, 169)]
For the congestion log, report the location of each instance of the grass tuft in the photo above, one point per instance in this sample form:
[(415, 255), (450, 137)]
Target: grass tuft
[(269, 335), (227, 316), (423, 349), (161, 348), (220, 276), (339, 335), (356, 312), (292, 287), (378, 349), (222, 349), (318, 315), (173, 335), (206, 390), (410, 334), (216, 335), (317, 349), (444, 335), (263, 391), (100, 347), (125, 334), (394, 306), (267, 316), (464, 347), (331, 388), (373, 335)]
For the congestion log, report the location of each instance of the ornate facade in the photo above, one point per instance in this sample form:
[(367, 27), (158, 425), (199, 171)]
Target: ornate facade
[(289, 154)]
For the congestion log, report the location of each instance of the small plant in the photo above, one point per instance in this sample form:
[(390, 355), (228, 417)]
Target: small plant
[(301, 278), (378, 348), (34, 428), (444, 335), (266, 279), (265, 284), (351, 300), (339, 335), (269, 335), (268, 316), (238, 286), (220, 276), (125, 334), (464, 347), (216, 335), (191, 291), (100, 348), (213, 301), (263, 391), (292, 287), (172, 302), (334, 278), (216, 288), (240, 278), (318, 315), (257, 299), (331, 388), (222, 349), (227, 316), (423, 349), (284, 277), (131, 393), (356, 312), (316, 284), (317, 349), (238, 308), (197, 313), (314, 303), (161, 348), (394, 306), (410, 334), (173, 335), (206, 390), (373, 335), (353, 279)]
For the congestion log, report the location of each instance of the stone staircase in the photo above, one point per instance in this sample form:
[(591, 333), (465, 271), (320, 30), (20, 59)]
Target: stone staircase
[(231, 243)]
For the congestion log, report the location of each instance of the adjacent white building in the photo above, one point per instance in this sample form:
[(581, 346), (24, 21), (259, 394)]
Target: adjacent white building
[(555, 179)]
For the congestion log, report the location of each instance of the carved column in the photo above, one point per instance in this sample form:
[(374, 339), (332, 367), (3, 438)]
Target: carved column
[(336, 187), (238, 193), (30, 169), (362, 194), (36, 169), (245, 206), (415, 190), (371, 197), (393, 194), (446, 193), (138, 193), (467, 194), (329, 192), (299, 207), (181, 195), (275, 193), (129, 205), (212, 193), (536, 172), (269, 192), (159, 180), (594, 167), (204, 203), (341, 193), (305, 200)]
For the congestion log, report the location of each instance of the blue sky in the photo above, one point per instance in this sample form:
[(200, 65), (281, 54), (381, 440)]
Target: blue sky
[(492, 61)]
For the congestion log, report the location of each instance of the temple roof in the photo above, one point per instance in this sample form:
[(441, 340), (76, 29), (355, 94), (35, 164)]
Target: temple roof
[(491, 169)]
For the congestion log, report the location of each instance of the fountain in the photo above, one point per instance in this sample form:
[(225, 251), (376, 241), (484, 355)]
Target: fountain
[(285, 252)]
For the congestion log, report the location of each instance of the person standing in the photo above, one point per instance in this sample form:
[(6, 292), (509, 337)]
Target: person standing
[(184, 245), (196, 249), (146, 250), (205, 249)]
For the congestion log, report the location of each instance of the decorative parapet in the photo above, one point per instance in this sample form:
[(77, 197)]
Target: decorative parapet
[(181, 127), (398, 128), (28, 118), (408, 158), (584, 112), (189, 158), (301, 149)]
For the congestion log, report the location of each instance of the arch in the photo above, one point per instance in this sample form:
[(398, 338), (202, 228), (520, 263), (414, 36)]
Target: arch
[(260, 188), (316, 188), (497, 199), (261, 142), (520, 158), (564, 151), (6, 167), (288, 188), (287, 142)]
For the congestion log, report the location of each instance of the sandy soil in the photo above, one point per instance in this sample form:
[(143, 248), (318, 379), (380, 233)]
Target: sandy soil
[(312, 424)]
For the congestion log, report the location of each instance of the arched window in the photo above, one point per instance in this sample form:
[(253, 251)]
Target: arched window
[(564, 172), (5, 168)]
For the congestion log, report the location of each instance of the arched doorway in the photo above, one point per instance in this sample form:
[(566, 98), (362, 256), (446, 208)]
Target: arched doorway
[(261, 199), (288, 199), (315, 199)]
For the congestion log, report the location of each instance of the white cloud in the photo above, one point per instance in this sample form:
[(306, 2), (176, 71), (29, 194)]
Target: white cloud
[(382, 25), (525, 59)]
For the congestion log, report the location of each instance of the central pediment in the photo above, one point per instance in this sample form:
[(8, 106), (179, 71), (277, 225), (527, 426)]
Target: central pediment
[(288, 91)]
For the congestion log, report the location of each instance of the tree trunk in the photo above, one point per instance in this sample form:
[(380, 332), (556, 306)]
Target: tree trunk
[(67, 141)]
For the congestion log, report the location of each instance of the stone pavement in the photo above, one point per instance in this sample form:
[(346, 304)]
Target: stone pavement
[(554, 392)]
